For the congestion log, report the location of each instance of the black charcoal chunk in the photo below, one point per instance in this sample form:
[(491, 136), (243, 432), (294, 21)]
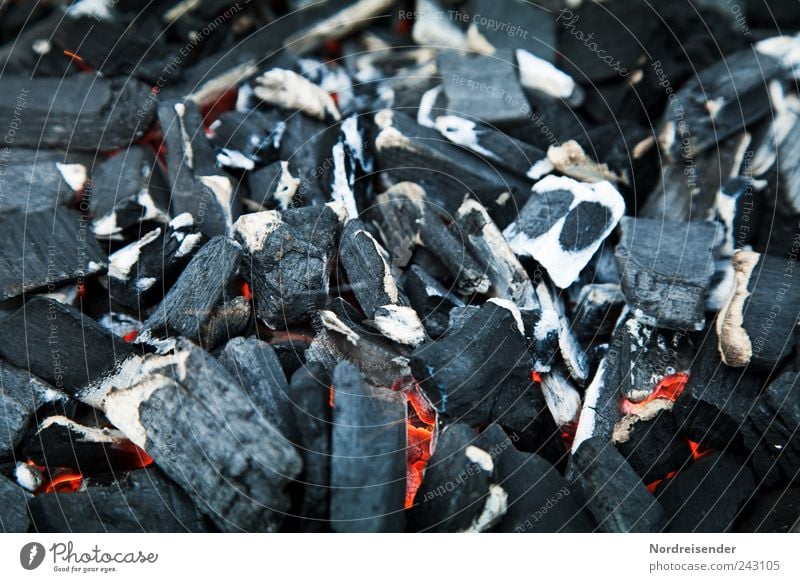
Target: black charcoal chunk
[(309, 392), (430, 299), (244, 140), (22, 394), (563, 224), (462, 373), (199, 289), (757, 326), (600, 412), (59, 344), (666, 270), (126, 190), (45, 249), (598, 307), (368, 455), (653, 447), (197, 423), (38, 180), (707, 496), (141, 501), (226, 321), (720, 101), (14, 517), (514, 25), (274, 186), (539, 499), (776, 511), (615, 494), (79, 113), (141, 272), (287, 261), (254, 363)]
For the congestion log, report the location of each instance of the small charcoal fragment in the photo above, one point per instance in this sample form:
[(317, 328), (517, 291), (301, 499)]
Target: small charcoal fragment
[(14, 517)]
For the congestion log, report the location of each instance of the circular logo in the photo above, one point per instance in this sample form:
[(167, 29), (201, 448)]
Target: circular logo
[(31, 555)]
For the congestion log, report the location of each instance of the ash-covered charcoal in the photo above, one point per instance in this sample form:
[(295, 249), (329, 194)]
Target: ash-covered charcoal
[(648, 355), (59, 441), (14, 517), (139, 273), (653, 447), (22, 394), (739, 207), (408, 219), (539, 499), (126, 190), (197, 423), (508, 277), (307, 145), (756, 327), (775, 511), (407, 151), (459, 483), (45, 249), (373, 283), (79, 113), (718, 102), (462, 373), (287, 261), (288, 90), (273, 186), (139, 501), (198, 186), (201, 287), (368, 457), (430, 299), (254, 364), (666, 270), (615, 494), (716, 400), (707, 496), (564, 223), (598, 307), (244, 140), (562, 397), (514, 25), (226, 321), (310, 395), (59, 344), (39, 179)]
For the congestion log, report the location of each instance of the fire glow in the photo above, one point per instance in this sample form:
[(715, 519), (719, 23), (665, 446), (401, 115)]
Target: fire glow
[(421, 426), (669, 388)]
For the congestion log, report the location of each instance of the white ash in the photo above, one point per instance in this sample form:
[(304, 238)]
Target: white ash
[(75, 175), (562, 399), (540, 75), (400, 324), (495, 508), (287, 89), (332, 322), (253, 229), (121, 262)]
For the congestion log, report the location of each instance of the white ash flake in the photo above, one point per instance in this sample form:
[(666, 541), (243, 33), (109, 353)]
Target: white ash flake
[(254, 228), (120, 262), (399, 323), (75, 175), (287, 89), (332, 322), (541, 75)]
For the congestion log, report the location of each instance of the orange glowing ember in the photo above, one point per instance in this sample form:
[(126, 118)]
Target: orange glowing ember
[(246, 291), (65, 482), (654, 485), (535, 377), (73, 56), (698, 450), (418, 453), (331, 395), (670, 388), (130, 336)]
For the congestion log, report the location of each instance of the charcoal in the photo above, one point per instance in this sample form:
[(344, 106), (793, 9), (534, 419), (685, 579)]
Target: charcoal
[(757, 325), (457, 482), (776, 511), (22, 395), (572, 354), (600, 42), (517, 25), (463, 78), (598, 307), (539, 499), (666, 270), (59, 441), (307, 145), (309, 392), (40, 180), (80, 112), (563, 225), (368, 463), (600, 412), (720, 101), (245, 140), (374, 285), (197, 186), (141, 501), (548, 334), (200, 288), (140, 272), (562, 397), (653, 447), (274, 186), (707, 496), (431, 300), (714, 405), (648, 355), (31, 53), (508, 277), (197, 423), (290, 349), (14, 516), (435, 27), (226, 321), (288, 90), (616, 496), (465, 387), (50, 350), (739, 211), (255, 365), (126, 190), (56, 248), (289, 255)]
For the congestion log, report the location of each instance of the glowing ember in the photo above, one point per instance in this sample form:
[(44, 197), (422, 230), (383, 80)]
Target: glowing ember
[(535, 377), (130, 336), (331, 395), (245, 289), (670, 388), (64, 482), (418, 453), (81, 291), (654, 485), (698, 450), (73, 56), (223, 103)]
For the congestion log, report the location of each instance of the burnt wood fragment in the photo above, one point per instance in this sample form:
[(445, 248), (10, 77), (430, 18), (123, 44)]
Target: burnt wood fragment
[(38, 180)]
